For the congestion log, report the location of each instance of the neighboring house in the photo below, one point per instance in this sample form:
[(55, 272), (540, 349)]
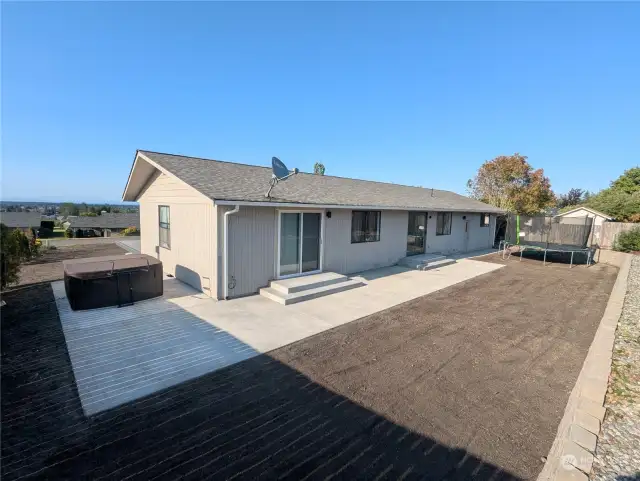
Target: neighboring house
[(24, 221), (599, 218), (211, 225), (114, 223)]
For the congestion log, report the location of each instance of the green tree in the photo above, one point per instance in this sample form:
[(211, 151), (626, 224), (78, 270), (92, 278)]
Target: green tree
[(69, 208), (510, 183), (621, 200), (318, 168), (15, 248), (628, 182), (571, 198)]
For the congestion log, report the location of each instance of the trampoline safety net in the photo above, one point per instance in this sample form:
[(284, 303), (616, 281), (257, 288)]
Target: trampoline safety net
[(545, 232)]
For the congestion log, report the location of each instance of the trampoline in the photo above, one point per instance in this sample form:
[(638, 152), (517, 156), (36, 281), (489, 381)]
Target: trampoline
[(546, 235)]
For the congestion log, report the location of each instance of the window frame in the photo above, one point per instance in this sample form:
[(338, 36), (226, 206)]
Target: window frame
[(482, 218), (378, 214), (167, 227), (438, 214)]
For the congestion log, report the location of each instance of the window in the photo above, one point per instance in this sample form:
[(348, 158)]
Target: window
[(165, 226), (443, 224), (365, 226), (484, 220)]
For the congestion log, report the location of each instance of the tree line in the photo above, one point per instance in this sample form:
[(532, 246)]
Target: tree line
[(511, 183), (70, 208)]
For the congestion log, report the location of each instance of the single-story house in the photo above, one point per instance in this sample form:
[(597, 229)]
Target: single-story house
[(598, 217), (212, 226), (25, 221), (114, 223)]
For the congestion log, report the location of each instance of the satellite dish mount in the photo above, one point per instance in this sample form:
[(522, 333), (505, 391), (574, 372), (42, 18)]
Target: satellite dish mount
[(280, 172)]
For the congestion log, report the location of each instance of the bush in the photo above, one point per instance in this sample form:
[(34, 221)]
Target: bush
[(47, 224), (131, 231), (628, 241), (16, 248), (68, 233), (45, 233)]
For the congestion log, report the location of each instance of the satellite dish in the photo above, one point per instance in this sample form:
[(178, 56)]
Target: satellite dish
[(279, 172)]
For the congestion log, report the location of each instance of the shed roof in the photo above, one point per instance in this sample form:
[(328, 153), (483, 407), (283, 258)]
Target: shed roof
[(588, 209), (21, 219), (105, 221), (228, 181)]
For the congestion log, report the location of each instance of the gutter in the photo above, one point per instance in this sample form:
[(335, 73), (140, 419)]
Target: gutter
[(298, 205), (225, 250)]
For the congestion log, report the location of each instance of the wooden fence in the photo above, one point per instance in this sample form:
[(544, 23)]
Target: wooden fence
[(608, 231)]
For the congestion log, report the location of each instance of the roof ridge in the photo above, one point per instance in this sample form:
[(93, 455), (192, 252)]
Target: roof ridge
[(305, 173)]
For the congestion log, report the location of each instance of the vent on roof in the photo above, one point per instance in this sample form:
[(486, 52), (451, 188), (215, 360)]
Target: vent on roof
[(279, 172)]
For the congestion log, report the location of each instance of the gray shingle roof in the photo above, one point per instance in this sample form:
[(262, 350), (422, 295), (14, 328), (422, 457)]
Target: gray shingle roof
[(105, 221), (20, 219), (239, 182)]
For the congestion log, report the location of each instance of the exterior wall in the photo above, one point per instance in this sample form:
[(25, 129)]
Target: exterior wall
[(253, 244), (252, 249), (460, 241), (341, 256), (191, 257)]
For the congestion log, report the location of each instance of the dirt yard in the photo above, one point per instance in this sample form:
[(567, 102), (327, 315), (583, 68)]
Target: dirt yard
[(486, 365), (48, 267), (467, 383)]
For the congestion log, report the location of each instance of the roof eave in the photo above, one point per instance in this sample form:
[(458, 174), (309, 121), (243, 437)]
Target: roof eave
[(489, 209)]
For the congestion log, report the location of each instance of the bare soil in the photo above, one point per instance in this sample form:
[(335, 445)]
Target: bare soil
[(486, 365), (48, 266), (469, 382)]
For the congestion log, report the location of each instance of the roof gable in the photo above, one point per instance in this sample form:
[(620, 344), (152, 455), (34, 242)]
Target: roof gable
[(588, 209)]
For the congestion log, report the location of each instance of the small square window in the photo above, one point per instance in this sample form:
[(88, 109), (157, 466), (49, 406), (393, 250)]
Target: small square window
[(365, 226)]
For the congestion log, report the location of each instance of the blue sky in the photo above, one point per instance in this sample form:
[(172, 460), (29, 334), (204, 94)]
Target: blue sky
[(412, 93)]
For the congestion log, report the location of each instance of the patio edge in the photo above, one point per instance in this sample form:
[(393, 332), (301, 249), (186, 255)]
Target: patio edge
[(572, 452)]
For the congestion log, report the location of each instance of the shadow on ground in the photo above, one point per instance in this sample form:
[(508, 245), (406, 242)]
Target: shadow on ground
[(258, 419)]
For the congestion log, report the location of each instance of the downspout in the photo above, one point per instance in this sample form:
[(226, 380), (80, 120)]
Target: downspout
[(225, 250)]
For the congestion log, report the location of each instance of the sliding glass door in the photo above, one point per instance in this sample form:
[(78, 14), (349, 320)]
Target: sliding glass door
[(299, 243)]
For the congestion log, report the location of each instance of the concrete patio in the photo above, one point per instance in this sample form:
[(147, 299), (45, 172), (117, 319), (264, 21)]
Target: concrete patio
[(122, 354)]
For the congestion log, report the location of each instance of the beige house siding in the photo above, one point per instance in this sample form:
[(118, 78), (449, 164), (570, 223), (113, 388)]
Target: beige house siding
[(191, 257), (341, 256)]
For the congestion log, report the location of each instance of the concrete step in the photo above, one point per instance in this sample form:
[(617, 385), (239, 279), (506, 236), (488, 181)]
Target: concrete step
[(307, 294), (303, 283), (439, 263), (416, 262)]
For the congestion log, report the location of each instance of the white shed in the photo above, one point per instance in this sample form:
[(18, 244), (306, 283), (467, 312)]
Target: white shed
[(598, 217)]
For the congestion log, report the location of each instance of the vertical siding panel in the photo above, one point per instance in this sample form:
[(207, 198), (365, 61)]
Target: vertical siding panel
[(346, 258), (251, 249)]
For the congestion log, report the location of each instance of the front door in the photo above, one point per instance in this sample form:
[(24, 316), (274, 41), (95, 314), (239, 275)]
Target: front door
[(300, 243), (416, 233)]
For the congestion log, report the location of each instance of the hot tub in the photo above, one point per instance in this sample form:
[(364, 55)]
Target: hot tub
[(107, 281)]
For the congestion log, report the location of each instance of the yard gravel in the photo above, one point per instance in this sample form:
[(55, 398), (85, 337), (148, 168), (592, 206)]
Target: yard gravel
[(618, 449)]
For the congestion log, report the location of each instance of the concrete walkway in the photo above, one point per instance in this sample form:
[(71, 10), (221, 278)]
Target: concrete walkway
[(121, 354)]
